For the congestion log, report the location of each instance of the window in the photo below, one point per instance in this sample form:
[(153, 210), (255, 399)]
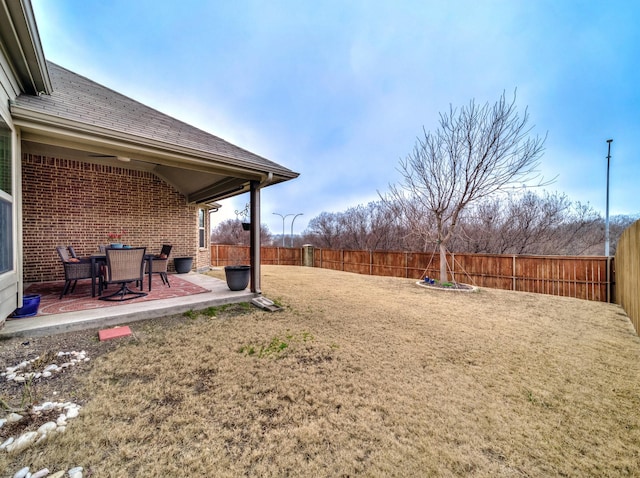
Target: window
[(6, 201), (5, 158), (201, 224)]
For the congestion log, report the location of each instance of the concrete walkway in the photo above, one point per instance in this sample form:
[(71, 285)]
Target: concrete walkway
[(218, 294)]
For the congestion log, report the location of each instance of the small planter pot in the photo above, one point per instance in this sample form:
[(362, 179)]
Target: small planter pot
[(237, 276), (30, 304), (246, 226), (183, 264), (116, 245)]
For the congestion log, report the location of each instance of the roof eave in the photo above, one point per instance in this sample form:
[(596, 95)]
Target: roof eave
[(35, 122), (20, 38)]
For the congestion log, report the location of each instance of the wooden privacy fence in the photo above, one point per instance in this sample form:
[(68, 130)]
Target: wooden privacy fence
[(225, 255), (628, 273), (571, 276), (575, 276)]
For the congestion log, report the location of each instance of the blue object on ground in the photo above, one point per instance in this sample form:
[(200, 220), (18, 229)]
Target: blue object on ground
[(30, 304)]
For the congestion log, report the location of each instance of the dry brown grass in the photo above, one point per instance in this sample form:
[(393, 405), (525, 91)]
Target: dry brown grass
[(367, 376)]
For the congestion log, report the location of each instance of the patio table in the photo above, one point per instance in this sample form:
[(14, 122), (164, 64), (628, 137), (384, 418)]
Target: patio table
[(101, 258)]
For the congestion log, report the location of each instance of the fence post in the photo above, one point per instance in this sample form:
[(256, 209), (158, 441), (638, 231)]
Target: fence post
[(406, 265), (307, 255), (513, 275), (370, 262), (608, 279)]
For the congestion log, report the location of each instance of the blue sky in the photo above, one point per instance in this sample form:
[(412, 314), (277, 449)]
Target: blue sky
[(338, 90)]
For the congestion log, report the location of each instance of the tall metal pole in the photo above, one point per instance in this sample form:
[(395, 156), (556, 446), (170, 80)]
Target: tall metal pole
[(292, 220), (606, 220), (283, 217)]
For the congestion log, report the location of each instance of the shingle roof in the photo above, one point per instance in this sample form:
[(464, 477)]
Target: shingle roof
[(80, 100)]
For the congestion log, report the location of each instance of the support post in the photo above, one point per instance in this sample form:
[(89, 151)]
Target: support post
[(254, 240)]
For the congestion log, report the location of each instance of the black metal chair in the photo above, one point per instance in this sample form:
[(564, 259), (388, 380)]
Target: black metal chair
[(125, 266), (74, 269), (160, 262)]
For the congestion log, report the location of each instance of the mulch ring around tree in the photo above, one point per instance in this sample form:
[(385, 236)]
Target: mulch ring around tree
[(452, 286)]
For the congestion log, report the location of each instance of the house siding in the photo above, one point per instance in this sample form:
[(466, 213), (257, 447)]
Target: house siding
[(10, 291), (69, 202)]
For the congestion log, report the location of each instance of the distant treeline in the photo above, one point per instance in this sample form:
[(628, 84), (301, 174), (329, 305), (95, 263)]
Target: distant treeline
[(525, 223)]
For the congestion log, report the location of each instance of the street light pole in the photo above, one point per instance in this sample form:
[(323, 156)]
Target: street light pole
[(283, 218), (292, 220), (606, 221)]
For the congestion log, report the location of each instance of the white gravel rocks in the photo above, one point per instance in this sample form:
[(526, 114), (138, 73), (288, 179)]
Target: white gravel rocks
[(41, 474), (68, 410), (22, 472), (23, 442), (75, 472), (67, 359)]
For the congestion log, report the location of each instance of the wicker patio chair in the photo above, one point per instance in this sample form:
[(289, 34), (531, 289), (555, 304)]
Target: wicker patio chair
[(74, 269), (125, 266), (160, 262)]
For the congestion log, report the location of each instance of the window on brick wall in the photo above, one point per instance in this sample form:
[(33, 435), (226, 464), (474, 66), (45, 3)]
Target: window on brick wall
[(201, 224), (6, 199)]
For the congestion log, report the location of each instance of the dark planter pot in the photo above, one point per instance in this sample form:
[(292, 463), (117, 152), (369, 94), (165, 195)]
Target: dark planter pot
[(183, 264), (30, 304), (237, 277), (246, 226)]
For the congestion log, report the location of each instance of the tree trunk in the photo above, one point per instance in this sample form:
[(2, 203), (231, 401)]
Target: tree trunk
[(443, 263)]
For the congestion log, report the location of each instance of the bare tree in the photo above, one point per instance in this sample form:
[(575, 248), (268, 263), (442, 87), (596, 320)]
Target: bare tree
[(369, 227), (528, 223), (326, 230), (365, 227), (476, 152), (230, 231)]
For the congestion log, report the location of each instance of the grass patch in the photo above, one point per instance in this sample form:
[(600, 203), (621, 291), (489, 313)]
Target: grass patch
[(376, 377), (277, 346)]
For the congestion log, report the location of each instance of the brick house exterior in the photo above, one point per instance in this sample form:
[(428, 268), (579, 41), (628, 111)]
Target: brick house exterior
[(76, 203)]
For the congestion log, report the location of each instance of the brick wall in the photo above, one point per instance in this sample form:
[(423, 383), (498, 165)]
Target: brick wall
[(68, 202)]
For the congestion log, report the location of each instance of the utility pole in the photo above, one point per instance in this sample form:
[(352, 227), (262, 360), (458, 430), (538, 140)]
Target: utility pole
[(606, 221), (283, 218), (292, 220), (606, 227)]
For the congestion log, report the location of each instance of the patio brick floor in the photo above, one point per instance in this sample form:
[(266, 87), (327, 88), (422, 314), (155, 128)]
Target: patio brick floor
[(81, 298)]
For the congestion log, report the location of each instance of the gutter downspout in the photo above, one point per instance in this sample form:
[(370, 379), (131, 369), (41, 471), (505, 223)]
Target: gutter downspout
[(254, 240)]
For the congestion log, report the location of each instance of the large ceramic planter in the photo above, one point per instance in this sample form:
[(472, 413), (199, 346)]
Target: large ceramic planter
[(183, 264), (237, 277)]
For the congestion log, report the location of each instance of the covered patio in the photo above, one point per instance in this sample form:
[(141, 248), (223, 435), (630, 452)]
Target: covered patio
[(96, 163), (80, 311), (81, 163)]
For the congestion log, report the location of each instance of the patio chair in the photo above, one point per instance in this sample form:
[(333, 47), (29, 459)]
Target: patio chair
[(159, 264), (74, 268), (125, 266)]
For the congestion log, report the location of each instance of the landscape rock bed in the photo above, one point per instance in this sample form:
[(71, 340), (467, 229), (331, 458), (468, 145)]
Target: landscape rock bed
[(24, 372), (38, 423), (51, 383)]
